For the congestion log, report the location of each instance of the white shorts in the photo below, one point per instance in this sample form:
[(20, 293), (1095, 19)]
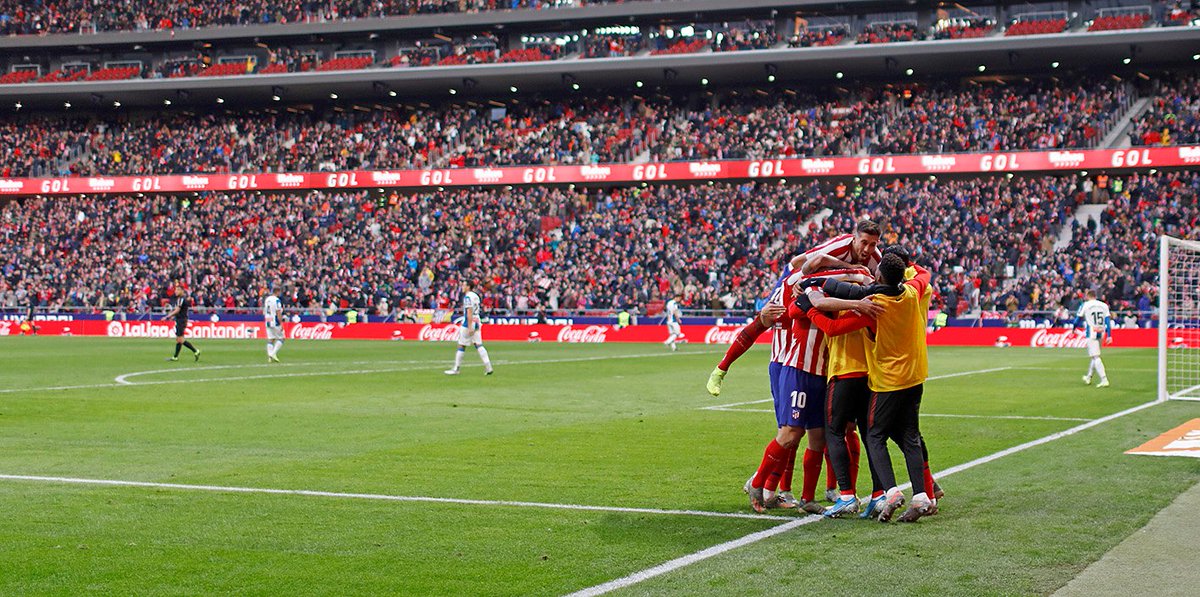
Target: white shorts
[(673, 329), (1093, 347), (467, 336), (274, 332)]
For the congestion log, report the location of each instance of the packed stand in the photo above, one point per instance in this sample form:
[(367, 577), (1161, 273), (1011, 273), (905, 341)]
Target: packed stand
[(1173, 116), (745, 35), (75, 16), (964, 27), (809, 37)]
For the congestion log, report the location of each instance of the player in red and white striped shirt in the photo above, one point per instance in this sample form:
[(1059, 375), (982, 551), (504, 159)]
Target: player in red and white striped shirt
[(842, 252)]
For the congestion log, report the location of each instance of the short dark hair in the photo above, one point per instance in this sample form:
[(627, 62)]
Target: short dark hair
[(866, 227), (898, 251), (891, 269)]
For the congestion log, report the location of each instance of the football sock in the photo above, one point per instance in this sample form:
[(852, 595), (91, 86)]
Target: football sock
[(830, 477), (921, 496), (487, 363), (785, 479), (774, 456), (855, 450), (1099, 367), (1091, 367), (188, 345), (744, 340), (177, 347), (458, 357), (812, 472), (928, 479)]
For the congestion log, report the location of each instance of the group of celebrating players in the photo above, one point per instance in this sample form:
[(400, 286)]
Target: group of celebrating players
[(848, 359)]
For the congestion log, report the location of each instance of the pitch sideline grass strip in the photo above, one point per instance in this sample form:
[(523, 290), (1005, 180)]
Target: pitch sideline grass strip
[(681, 562)]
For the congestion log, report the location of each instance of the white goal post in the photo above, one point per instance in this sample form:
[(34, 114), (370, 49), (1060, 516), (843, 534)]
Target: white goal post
[(1178, 319)]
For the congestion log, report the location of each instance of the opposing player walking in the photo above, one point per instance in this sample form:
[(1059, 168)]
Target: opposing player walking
[(1096, 321), (273, 320), (471, 332)]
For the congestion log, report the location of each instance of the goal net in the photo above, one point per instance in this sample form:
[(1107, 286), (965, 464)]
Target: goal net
[(1179, 319)]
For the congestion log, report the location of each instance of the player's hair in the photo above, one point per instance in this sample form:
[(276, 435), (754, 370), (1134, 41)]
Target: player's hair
[(891, 269), (867, 227), (898, 251), (1089, 294)]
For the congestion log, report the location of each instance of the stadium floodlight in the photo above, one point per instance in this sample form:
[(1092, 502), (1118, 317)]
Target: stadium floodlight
[(116, 104), (1195, 56), (908, 72), (770, 78), (166, 102), (512, 88), (67, 105), (392, 92), (1054, 64), (639, 84), (333, 96), (275, 97), (18, 105), (771, 71), (704, 81), (838, 75), (1178, 311), (982, 68), (220, 100), (575, 86), (453, 91)]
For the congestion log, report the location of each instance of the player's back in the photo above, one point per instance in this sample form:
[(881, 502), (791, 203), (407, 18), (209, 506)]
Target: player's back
[(1095, 314)]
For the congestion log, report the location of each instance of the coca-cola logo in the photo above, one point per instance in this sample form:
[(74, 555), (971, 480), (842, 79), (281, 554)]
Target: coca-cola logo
[(487, 175), (385, 178), (195, 182), (938, 163), (591, 334), (719, 335), (431, 333), (1064, 339), (11, 186), (289, 180), (595, 172), (817, 165), (703, 169), (317, 331), (1065, 159), (1190, 155), (101, 184)]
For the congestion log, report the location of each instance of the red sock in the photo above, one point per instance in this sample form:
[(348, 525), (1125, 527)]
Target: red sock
[(775, 456), (812, 472), (745, 339), (928, 481), (855, 450), (830, 476), (785, 480)]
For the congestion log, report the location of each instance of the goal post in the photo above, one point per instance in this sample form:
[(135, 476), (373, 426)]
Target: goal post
[(1178, 319)]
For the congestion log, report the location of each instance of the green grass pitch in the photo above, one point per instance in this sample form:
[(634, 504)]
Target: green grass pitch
[(595, 425)]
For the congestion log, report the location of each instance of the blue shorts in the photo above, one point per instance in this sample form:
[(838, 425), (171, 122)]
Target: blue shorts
[(799, 397)]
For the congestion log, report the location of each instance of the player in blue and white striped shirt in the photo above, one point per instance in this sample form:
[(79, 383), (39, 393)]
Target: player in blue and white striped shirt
[(1096, 321)]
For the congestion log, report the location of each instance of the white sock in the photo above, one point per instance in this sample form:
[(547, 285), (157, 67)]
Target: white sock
[(487, 363), (458, 356), (921, 497), (270, 349), (1091, 367), (1099, 367), (278, 345)]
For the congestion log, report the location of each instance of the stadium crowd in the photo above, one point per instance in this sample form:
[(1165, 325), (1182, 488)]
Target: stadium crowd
[(73, 16), (1173, 117), (990, 241), (934, 118)]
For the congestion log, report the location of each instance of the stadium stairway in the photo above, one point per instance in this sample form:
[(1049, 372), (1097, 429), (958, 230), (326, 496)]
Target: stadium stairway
[(1118, 135), (1085, 212)]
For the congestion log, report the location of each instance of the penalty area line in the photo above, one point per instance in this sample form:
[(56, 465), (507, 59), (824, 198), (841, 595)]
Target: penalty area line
[(721, 548)]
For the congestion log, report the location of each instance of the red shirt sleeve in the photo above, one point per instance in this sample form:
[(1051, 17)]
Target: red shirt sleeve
[(921, 281), (841, 325)]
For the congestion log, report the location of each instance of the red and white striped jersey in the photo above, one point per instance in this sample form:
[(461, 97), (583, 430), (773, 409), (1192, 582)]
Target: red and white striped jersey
[(806, 343), (841, 247)]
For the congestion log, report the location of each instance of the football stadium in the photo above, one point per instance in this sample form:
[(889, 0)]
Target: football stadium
[(588, 297)]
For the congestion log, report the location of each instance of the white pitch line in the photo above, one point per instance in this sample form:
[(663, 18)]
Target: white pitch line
[(693, 558), (385, 497), (923, 415), (432, 365)]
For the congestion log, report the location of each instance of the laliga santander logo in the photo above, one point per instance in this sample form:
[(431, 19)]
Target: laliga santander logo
[(1066, 339), (703, 169), (446, 333), (590, 334), (938, 163), (716, 335), (1065, 159), (595, 172), (320, 331), (817, 165), (487, 175)]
